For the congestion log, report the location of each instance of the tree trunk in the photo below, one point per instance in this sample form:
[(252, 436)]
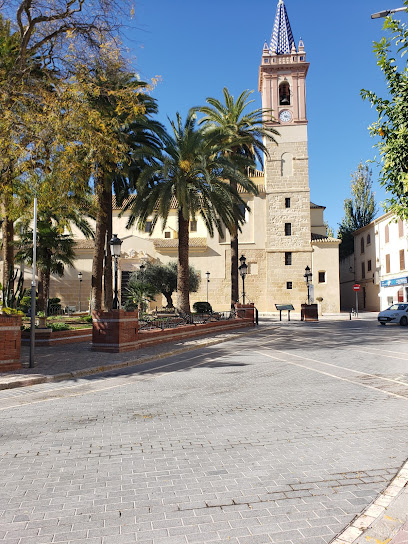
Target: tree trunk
[(100, 238), (46, 289), (234, 260), (41, 291), (8, 247), (107, 277), (234, 270), (169, 300), (183, 279)]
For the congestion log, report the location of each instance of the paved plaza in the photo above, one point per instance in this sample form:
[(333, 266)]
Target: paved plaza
[(284, 435)]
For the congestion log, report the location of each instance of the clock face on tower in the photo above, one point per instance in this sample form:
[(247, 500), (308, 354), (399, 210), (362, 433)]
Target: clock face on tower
[(285, 116)]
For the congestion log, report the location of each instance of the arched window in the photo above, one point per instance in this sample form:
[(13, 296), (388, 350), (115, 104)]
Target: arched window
[(284, 94), (287, 165)]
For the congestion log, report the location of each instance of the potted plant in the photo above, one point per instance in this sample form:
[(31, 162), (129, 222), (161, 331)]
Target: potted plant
[(320, 300), (42, 320)]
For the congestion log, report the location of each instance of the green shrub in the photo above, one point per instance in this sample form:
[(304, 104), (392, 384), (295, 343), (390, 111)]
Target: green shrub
[(202, 307), (87, 319), (25, 303), (54, 304), (59, 327)]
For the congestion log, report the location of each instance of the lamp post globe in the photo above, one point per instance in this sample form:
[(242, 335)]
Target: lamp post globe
[(115, 244)]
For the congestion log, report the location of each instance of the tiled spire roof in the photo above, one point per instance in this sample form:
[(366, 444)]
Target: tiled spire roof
[(282, 38)]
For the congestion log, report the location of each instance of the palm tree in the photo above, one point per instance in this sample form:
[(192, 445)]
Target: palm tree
[(136, 137), (192, 171), (55, 250), (243, 134)]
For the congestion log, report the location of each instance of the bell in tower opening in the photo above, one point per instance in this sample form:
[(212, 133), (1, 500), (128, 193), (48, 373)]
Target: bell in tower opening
[(284, 94)]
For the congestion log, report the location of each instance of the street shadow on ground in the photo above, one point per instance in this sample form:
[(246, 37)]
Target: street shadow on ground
[(286, 336)]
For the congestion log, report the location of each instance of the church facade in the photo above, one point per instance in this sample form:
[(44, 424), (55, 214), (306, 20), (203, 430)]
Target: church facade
[(284, 232)]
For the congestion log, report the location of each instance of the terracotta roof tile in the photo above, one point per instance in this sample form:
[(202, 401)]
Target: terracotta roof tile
[(322, 238), (173, 242)]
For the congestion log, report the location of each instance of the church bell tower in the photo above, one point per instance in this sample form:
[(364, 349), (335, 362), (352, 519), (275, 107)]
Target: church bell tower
[(282, 82)]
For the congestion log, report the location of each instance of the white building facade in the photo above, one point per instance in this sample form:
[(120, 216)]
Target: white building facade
[(379, 265)]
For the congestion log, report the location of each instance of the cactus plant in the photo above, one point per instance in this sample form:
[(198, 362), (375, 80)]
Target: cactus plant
[(12, 295)]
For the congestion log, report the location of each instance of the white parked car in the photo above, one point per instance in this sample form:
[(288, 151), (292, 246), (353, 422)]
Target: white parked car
[(397, 313)]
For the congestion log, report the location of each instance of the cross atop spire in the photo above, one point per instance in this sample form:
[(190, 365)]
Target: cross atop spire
[(282, 38)]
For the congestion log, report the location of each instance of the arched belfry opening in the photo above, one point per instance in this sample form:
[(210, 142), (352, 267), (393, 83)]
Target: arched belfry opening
[(284, 93)]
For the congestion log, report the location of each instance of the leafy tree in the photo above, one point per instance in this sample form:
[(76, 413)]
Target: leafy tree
[(329, 230), (359, 210), (391, 126), (244, 135), (192, 171), (163, 277), (42, 66)]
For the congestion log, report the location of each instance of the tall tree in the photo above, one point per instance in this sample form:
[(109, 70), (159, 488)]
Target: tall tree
[(244, 134), (391, 127), (191, 171), (119, 117), (359, 210), (50, 42)]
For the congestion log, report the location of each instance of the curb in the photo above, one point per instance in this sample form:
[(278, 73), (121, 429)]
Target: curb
[(375, 510), (116, 366)]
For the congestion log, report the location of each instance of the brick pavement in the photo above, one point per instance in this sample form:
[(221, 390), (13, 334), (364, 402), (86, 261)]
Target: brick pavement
[(61, 362), (222, 445)]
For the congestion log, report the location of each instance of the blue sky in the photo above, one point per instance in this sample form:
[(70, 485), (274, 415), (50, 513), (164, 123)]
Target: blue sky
[(197, 48)]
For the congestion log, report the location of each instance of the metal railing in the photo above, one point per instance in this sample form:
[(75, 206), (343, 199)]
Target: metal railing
[(148, 322)]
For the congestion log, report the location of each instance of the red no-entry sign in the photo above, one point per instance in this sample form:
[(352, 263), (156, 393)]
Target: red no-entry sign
[(356, 287)]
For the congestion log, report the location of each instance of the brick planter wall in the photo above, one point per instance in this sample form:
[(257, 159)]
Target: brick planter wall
[(246, 311), (115, 331), (10, 342), (309, 312), (47, 337)]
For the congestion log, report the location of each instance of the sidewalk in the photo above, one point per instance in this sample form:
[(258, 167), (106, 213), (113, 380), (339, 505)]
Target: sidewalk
[(386, 520), (71, 361)]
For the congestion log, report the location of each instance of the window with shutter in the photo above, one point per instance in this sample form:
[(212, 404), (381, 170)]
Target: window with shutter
[(402, 259), (387, 264), (400, 228), (387, 234)]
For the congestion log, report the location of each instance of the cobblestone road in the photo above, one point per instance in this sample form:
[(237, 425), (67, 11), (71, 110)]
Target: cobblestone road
[(281, 437)]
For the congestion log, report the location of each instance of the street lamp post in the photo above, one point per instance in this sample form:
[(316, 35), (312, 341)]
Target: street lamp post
[(308, 278), (80, 282), (142, 269), (386, 12), (208, 281), (243, 270), (115, 244)]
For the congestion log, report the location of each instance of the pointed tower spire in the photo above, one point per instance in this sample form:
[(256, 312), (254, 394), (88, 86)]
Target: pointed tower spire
[(282, 38)]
